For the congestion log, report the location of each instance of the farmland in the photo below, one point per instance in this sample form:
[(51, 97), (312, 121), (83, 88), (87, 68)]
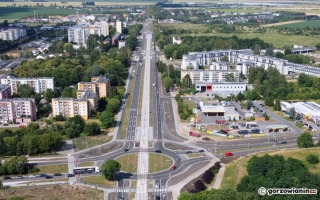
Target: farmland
[(15, 13), (302, 25)]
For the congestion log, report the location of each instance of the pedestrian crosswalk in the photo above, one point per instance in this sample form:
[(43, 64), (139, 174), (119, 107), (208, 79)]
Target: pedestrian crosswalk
[(121, 189), (160, 190)]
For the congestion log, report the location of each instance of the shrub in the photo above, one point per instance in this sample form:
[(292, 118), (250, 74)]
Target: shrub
[(313, 159), (207, 176), (199, 186)]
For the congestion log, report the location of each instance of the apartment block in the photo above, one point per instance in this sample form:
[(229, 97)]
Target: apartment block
[(98, 84), (85, 104), (40, 84), (79, 34), (17, 110), (199, 76), (119, 26), (5, 91), (12, 33)]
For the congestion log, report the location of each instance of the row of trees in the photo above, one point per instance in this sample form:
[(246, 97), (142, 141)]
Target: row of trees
[(16, 165), (183, 109), (169, 75)]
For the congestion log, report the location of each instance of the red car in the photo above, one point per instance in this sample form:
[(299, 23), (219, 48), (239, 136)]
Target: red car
[(173, 167)]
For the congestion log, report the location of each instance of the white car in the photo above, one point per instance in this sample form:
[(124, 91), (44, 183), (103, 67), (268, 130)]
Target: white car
[(157, 186), (32, 176)]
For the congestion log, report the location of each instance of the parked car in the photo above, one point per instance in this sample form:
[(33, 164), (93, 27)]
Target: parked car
[(7, 178), (19, 177), (70, 175), (57, 174), (42, 175), (48, 177), (283, 142), (32, 176)]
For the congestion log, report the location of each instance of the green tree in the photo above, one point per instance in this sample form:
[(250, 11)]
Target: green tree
[(74, 126), (230, 78), (109, 169), (1, 185), (186, 81), (249, 104), (305, 140), (225, 59), (240, 96), (25, 91), (292, 112), (107, 119), (256, 49), (168, 83), (92, 129), (113, 105), (277, 105), (67, 92), (313, 159)]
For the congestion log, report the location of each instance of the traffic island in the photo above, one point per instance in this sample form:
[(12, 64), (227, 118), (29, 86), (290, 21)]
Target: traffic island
[(129, 162), (159, 162)]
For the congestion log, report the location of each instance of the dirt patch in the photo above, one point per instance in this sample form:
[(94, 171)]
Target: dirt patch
[(65, 192)]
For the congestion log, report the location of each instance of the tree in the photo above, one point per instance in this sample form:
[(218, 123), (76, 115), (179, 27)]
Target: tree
[(313, 159), (240, 97), (1, 185), (269, 101), (249, 105), (208, 176), (92, 129), (305, 140), (269, 52), (292, 112), (113, 105), (74, 126), (230, 78), (168, 83), (67, 92), (277, 105), (109, 169), (25, 91), (225, 59), (256, 49), (107, 119), (199, 186)]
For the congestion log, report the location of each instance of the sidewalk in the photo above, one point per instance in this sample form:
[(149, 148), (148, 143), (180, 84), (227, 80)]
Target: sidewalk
[(219, 177)]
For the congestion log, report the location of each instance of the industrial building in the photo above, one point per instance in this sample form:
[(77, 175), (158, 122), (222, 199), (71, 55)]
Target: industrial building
[(308, 110), (40, 84), (221, 88), (227, 112)]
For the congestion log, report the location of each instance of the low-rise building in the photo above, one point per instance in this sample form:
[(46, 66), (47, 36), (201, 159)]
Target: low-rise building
[(17, 110), (222, 88), (176, 40), (40, 84), (308, 110)]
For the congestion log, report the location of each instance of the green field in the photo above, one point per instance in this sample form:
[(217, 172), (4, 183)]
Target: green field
[(16, 13), (237, 169), (302, 25), (159, 162), (129, 162), (99, 180)]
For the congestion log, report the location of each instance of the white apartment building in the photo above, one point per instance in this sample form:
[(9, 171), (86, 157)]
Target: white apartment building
[(198, 76), (40, 84), (17, 110), (12, 33), (119, 26), (80, 33), (221, 89)]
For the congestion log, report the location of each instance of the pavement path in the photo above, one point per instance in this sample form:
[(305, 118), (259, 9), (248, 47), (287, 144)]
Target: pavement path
[(219, 177)]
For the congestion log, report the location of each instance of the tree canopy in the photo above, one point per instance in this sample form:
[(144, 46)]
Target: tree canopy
[(109, 169)]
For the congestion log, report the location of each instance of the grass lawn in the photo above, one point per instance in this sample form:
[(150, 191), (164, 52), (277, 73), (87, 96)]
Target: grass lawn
[(302, 25), (237, 169), (187, 26), (50, 169), (159, 162), (9, 128), (85, 164), (189, 103), (99, 180), (85, 142), (129, 162)]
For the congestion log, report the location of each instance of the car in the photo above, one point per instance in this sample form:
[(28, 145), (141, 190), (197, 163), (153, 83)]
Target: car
[(206, 139), (7, 178), (70, 175), (57, 174), (157, 186), (48, 177), (178, 159), (235, 109), (188, 152), (299, 121), (306, 125), (157, 151), (19, 177), (201, 150), (158, 197), (125, 150), (283, 142), (32, 176), (42, 175), (261, 111), (173, 167)]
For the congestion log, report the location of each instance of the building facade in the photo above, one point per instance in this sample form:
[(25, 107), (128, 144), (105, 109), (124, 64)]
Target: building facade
[(5, 91), (17, 110), (40, 84), (221, 89), (12, 33), (98, 84), (119, 26), (199, 76)]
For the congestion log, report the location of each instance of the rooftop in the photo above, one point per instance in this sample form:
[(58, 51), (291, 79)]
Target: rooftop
[(4, 87)]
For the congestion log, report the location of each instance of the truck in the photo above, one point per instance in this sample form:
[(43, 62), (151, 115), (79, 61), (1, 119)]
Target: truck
[(194, 134), (228, 153), (220, 121)]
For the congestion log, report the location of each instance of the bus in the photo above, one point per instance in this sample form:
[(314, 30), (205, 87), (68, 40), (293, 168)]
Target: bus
[(86, 170)]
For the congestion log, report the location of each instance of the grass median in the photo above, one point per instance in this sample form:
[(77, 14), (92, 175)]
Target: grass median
[(159, 162), (85, 142), (129, 162), (99, 180), (51, 169)]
